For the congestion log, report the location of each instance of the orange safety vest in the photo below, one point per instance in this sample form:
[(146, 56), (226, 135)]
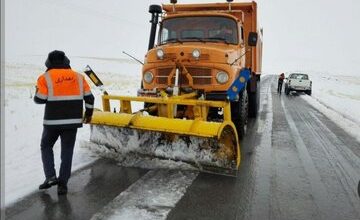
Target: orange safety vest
[(63, 92)]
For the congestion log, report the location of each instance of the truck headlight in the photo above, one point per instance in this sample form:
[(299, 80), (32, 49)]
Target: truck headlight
[(160, 53), (222, 77), (196, 53), (148, 77)]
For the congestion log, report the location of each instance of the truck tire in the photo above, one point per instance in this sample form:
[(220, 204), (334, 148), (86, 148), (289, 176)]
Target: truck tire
[(308, 92), (254, 102), (239, 113)]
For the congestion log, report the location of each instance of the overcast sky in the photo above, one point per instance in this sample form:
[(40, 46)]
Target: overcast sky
[(308, 35)]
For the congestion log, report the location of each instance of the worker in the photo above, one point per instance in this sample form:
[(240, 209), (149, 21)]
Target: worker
[(280, 82), (63, 91)]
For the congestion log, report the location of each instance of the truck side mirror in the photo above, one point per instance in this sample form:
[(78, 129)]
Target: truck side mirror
[(252, 39)]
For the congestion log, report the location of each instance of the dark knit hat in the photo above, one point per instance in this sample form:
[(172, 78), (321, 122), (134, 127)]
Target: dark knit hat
[(57, 59)]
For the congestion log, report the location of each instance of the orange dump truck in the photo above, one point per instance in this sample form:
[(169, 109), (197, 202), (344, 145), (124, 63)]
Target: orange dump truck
[(199, 86)]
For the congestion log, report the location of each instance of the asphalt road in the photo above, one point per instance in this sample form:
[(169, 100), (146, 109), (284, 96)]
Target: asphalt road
[(296, 164)]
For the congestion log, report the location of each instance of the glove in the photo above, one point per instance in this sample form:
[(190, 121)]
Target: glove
[(87, 119)]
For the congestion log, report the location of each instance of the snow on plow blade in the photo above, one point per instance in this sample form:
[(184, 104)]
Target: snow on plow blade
[(210, 146)]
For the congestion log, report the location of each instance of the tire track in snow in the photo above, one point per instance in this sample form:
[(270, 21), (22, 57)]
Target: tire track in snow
[(343, 161), (318, 189), (151, 197)]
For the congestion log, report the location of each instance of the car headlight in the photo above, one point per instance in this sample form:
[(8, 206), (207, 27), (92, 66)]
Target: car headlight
[(196, 53), (222, 77), (160, 53), (148, 77)]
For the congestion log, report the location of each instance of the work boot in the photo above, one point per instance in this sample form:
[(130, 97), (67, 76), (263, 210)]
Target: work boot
[(49, 182), (62, 189)]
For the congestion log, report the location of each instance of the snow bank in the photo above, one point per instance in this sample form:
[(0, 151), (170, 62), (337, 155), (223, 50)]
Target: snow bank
[(138, 148), (338, 97)]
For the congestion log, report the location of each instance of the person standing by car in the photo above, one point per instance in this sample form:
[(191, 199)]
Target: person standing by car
[(280, 82), (63, 91)]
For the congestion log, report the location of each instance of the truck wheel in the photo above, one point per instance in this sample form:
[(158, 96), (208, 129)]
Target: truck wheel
[(308, 92), (254, 102), (239, 113)]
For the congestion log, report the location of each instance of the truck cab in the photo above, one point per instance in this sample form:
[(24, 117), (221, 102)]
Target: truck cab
[(209, 59)]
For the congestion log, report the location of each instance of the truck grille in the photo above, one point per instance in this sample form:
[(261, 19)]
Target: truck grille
[(162, 75), (201, 76)]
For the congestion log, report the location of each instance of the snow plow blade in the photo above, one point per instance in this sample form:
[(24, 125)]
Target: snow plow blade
[(209, 146)]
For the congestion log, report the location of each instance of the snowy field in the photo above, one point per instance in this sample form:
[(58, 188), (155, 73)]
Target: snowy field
[(338, 97), (334, 95)]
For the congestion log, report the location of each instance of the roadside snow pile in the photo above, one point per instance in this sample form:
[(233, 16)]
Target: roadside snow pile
[(135, 160), (338, 97), (141, 149)]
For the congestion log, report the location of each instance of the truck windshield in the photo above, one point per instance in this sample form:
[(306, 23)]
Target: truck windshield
[(199, 28)]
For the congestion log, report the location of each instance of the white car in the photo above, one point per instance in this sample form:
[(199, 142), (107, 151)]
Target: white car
[(298, 82)]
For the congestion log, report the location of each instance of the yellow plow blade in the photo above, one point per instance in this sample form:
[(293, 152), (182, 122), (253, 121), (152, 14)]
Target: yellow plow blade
[(210, 146), (153, 123)]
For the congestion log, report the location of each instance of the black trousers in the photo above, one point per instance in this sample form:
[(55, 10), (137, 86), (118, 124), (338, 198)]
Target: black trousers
[(49, 137), (279, 86)]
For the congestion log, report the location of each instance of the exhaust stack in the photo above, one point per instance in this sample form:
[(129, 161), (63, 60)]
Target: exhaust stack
[(155, 10)]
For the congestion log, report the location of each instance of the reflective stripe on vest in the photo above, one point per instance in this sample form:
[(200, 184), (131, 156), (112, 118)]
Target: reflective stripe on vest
[(41, 96), (63, 121), (65, 98), (81, 84), (89, 106), (49, 85)]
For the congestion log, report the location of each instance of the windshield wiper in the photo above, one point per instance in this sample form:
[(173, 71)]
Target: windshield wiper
[(193, 38), (218, 39), (172, 40)]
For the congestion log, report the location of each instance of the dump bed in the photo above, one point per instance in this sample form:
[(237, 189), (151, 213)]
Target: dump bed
[(245, 12)]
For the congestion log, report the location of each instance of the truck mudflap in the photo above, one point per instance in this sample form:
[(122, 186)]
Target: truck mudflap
[(238, 85)]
